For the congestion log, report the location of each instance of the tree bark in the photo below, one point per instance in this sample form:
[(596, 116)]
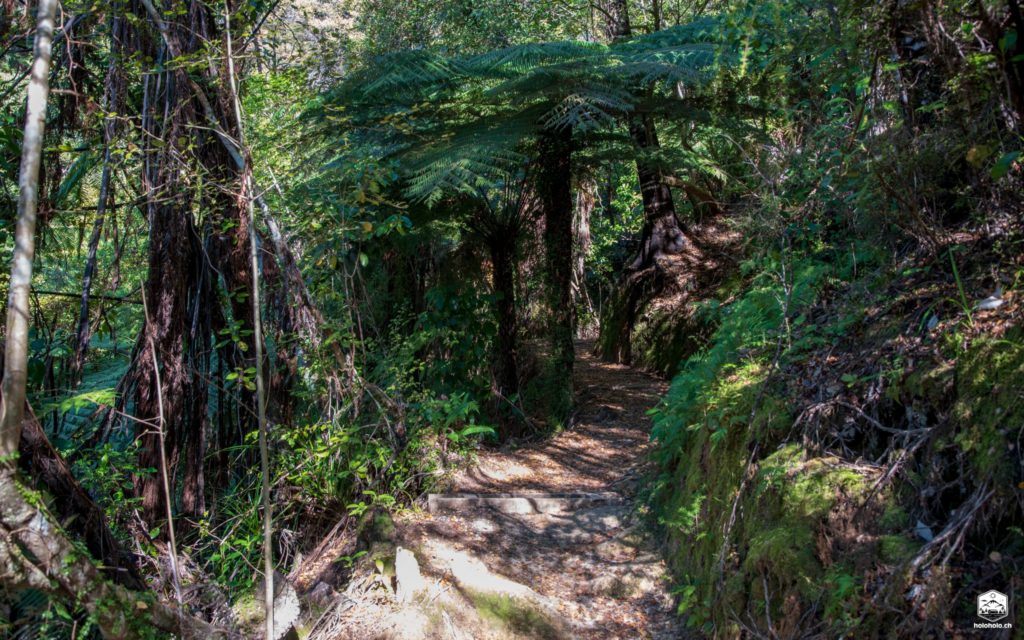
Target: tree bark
[(554, 193), (35, 554), (83, 517), (616, 19), (189, 266), (12, 406), (662, 232), (83, 333), (506, 371), (166, 344)]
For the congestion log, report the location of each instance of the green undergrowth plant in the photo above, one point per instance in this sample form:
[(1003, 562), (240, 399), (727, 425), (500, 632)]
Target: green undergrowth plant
[(742, 504), (768, 526)]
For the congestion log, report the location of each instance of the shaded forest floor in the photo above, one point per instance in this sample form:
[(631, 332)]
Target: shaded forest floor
[(590, 571)]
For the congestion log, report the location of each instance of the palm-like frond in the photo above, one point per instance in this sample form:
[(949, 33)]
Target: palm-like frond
[(473, 157), (410, 70), (588, 108), (461, 123), (523, 59), (689, 64)]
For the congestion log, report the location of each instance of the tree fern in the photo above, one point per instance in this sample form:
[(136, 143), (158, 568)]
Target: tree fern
[(459, 123)]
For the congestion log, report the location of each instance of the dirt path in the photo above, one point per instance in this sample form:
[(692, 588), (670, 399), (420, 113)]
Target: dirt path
[(588, 572), (599, 453)]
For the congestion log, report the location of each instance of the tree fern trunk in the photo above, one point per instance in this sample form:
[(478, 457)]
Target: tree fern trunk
[(555, 194), (662, 232), (506, 370)]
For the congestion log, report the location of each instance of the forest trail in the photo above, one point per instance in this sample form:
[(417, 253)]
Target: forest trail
[(587, 571)]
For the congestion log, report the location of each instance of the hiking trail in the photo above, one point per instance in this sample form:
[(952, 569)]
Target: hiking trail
[(534, 568)]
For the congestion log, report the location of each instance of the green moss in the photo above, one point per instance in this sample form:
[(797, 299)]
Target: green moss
[(663, 338), (894, 517), (989, 405), (786, 555), (248, 612), (376, 525), (896, 548), (807, 487), (515, 614), (785, 504)]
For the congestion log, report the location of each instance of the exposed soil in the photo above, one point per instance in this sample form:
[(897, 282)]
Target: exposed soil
[(593, 572)]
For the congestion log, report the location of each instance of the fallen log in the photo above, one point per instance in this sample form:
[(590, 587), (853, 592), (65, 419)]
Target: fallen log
[(43, 465), (35, 554)]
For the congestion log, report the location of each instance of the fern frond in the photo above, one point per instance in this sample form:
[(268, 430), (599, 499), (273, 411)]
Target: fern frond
[(527, 57), (588, 108), (475, 156), (702, 30)]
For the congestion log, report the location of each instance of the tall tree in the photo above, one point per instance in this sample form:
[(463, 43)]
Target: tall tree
[(12, 409), (554, 191), (199, 275), (498, 219), (34, 553), (662, 233)]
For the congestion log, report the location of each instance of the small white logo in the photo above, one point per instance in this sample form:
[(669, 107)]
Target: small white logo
[(992, 606)]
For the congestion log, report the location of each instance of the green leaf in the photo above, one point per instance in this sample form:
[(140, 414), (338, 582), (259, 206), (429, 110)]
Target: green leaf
[(1008, 41), (1003, 165), (475, 429)]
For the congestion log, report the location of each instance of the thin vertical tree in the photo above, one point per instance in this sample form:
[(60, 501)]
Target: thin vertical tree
[(553, 183), (36, 554), (16, 348), (247, 198)]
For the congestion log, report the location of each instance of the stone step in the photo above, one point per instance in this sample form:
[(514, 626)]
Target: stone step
[(520, 503)]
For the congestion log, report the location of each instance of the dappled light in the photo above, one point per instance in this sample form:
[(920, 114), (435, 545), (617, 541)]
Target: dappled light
[(509, 319)]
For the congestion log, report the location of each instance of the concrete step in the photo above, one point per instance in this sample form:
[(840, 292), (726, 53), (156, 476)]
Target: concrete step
[(520, 503)]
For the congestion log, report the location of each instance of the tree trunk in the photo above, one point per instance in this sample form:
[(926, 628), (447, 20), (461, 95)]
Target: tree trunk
[(586, 200), (555, 195), (662, 233), (12, 405), (169, 290), (616, 19), (83, 333), (83, 517), (35, 554), (506, 370), (188, 266)]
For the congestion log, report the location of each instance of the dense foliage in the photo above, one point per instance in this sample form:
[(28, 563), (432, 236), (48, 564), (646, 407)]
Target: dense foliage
[(795, 210)]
